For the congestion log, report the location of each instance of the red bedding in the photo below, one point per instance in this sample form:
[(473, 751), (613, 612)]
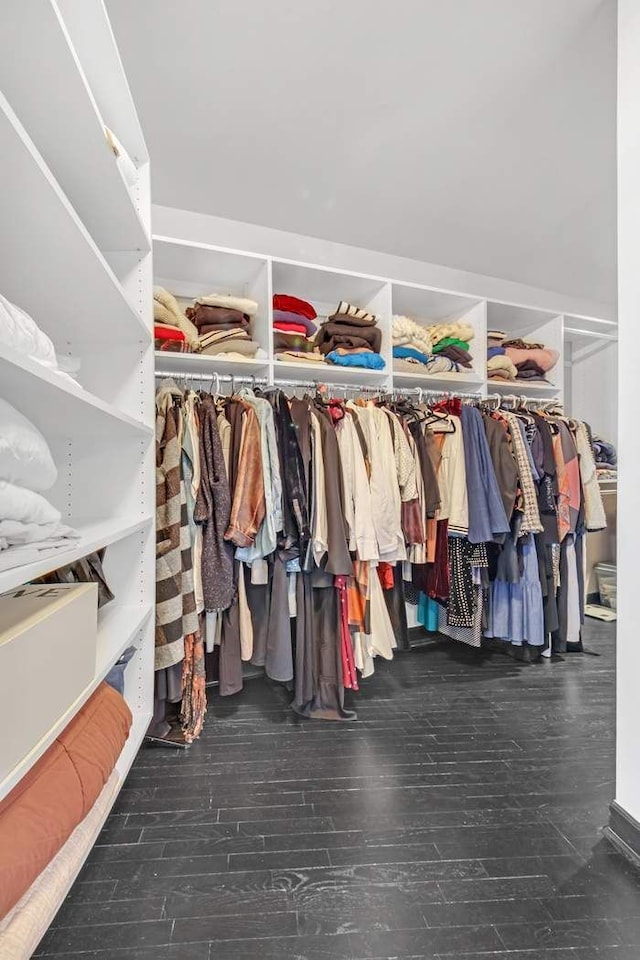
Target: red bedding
[(41, 812)]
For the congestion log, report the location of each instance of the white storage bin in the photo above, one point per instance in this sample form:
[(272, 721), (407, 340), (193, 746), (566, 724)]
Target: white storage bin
[(47, 658), (607, 584)]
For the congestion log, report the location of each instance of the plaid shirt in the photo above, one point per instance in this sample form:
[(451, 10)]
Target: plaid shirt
[(531, 522)]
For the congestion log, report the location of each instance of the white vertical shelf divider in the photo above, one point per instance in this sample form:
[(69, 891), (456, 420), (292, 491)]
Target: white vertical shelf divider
[(80, 234), (269, 316)]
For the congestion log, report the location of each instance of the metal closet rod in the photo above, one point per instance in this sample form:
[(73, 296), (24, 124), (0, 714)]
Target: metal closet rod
[(309, 384), (262, 381), (232, 378)]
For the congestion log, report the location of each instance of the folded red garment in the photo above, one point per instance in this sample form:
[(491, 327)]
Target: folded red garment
[(171, 346), (290, 327), (282, 301), (167, 333)]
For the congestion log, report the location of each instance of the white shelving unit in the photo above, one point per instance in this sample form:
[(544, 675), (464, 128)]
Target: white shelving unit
[(189, 268), (76, 256)]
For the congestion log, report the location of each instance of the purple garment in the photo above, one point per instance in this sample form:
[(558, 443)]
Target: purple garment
[(487, 518), (285, 316)]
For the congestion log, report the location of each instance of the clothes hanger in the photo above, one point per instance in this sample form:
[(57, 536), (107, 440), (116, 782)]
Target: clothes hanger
[(215, 383)]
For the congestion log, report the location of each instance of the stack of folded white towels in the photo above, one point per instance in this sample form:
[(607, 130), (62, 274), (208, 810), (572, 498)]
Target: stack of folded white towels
[(30, 526)]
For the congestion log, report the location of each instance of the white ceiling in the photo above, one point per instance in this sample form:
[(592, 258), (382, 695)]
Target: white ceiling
[(478, 134)]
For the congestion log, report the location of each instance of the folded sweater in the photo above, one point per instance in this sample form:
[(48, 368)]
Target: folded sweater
[(167, 311), (242, 305), (287, 316), (332, 334), (370, 361), (450, 342), (162, 332), (504, 365), (282, 301), (289, 327), (242, 346), (546, 358), (286, 340), (299, 356), (204, 315), (355, 314), (457, 354), (404, 330), (405, 353)]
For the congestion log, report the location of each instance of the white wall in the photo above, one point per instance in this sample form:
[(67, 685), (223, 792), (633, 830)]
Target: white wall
[(594, 392), (183, 224), (628, 671)]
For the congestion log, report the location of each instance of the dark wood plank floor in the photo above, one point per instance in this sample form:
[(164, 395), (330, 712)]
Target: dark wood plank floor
[(459, 817)]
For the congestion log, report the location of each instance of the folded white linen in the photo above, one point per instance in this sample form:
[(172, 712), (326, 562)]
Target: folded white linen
[(20, 332), (25, 458), (18, 555), (13, 532), (18, 503)]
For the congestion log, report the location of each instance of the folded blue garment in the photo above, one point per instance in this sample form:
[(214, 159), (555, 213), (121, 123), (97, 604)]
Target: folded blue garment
[(495, 352), (402, 353), (371, 361)]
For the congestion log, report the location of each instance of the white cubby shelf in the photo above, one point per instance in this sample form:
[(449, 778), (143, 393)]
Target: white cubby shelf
[(189, 268)]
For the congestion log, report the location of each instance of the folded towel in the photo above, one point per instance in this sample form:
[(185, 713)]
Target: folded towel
[(242, 305), (286, 316), (495, 352), (497, 335), (370, 361), (282, 301)]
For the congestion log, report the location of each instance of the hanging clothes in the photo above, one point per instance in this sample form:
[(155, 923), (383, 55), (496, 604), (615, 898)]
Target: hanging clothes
[(311, 522)]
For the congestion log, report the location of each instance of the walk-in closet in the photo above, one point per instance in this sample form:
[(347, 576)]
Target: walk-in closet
[(315, 367)]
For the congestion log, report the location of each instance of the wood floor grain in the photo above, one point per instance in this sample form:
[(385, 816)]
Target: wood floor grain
[(459, 817)]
